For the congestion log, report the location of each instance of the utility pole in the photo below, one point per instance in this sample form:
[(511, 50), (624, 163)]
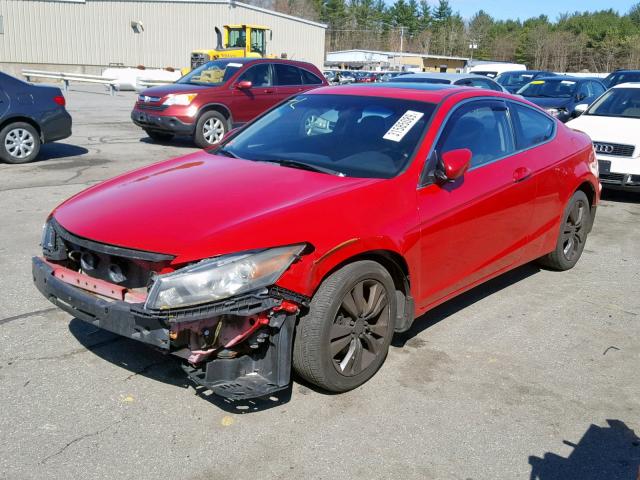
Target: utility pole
[(401, 38)]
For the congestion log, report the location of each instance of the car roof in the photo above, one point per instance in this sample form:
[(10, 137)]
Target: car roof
[(248, 60), (569, 78), (627, 85), (424, 92), (445, 76)]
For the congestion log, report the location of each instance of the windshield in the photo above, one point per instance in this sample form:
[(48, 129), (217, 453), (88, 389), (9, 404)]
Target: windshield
[(514, 79), (485, 74), (212, 73), (617, 78), (618, 102), (549, 88), (345, 135)]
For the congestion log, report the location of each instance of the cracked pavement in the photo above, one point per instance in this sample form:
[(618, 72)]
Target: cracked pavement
[(536, 369)]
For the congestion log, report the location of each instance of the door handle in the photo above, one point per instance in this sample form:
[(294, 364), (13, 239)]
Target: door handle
[(521, 173), (268, 90)]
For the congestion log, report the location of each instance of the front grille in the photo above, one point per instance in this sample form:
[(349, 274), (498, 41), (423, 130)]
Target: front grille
[(126, 267), (147, 106), (612, 177), (616, 149)]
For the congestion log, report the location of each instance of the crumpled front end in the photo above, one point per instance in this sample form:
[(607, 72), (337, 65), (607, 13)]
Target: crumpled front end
[(239, 347)]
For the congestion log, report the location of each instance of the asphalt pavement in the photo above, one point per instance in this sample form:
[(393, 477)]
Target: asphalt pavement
[(533, 375)]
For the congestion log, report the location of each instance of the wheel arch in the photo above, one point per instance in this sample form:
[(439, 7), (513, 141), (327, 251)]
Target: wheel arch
[(398, 267), (220, 108), (589, 190), (25, 119)]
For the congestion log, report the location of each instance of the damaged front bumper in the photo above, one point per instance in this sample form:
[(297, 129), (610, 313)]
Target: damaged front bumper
[(254, 332)]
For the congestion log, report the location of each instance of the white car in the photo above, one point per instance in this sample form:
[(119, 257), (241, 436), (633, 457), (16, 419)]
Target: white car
[(613, 123)]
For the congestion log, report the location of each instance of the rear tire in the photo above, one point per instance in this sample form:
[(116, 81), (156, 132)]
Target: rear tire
[(575, 225), (344, 338), (19, 143), (210, 129), (159, 136)]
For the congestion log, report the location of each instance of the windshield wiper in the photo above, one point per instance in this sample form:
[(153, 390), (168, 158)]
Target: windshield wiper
[(226, 153), (305, 166)]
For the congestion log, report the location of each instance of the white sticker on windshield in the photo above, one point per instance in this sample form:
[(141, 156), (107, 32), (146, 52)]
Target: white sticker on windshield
[(234, 65), (399, 129), (567, 82)]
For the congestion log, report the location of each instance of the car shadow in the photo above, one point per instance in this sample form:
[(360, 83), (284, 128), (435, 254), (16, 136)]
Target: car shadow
[(463, 301), (140, 359), (53, 151), (180, 142), (611, 453), (621, 196)]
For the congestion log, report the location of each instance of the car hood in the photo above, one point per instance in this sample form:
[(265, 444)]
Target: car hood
[(608, 129), (203, 205), (175, 88), (546, 102)]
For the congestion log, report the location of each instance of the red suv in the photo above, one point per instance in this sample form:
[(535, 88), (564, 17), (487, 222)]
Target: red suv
[(221, 95), (311, 235)]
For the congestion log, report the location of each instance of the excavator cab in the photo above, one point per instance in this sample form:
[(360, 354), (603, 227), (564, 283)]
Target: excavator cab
[(238, 41)]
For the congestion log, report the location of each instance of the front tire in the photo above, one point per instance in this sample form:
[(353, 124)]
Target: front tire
[(576, 223), (344, 338), (19, 143), (210, 129)]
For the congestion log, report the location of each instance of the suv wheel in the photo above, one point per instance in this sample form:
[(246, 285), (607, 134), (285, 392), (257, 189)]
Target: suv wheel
[(344, 338), (19, 143), (210, 129)]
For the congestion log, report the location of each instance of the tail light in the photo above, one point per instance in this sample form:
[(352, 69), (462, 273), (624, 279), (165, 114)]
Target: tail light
[(59, 99)]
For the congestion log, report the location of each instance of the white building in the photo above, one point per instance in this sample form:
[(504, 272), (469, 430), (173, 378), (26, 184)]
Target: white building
[(378, 60), (88, 35)]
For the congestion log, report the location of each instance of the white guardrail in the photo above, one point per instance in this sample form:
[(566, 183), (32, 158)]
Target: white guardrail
[(72, 77)]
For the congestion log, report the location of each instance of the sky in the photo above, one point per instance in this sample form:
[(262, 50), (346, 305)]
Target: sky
[(513, 9)]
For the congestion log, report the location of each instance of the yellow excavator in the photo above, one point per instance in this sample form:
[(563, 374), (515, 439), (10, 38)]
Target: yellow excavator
[(239, 41)]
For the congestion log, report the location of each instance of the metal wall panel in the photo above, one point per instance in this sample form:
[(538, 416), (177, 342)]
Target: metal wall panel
[(98, 32)]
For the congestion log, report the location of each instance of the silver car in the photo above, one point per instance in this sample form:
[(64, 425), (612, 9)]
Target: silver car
[(460, 79)]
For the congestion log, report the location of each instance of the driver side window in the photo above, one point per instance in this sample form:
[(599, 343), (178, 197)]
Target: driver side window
[(259, 75), (484, 128)]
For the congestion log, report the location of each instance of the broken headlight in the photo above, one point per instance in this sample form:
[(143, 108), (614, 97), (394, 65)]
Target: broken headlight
[(220, 278), (52, 247)]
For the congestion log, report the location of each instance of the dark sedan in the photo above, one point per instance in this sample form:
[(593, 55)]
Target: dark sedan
[(514, 81), (30, 115), (560, 95)]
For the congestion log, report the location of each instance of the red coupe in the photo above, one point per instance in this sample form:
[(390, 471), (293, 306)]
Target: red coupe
[(311, 235)]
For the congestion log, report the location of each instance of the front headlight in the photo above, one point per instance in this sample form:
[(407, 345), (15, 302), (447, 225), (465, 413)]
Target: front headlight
[(48, 239), (222, 277), (182, 99)]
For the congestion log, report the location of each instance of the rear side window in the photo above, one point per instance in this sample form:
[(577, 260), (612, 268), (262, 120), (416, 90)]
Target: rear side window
[(482, 127), (533, 128), (309, 78), (597, 89), (288, 74)]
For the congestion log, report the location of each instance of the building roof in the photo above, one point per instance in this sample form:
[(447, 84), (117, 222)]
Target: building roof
[(231, 3), (399, 54)]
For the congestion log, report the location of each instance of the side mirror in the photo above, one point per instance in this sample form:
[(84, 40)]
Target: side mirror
[(580, 109), (455, 163), (244, 85)]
